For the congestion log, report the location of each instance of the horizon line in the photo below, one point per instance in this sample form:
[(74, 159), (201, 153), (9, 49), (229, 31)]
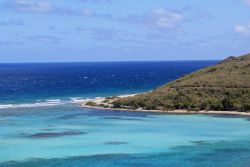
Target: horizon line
[(111, 61)]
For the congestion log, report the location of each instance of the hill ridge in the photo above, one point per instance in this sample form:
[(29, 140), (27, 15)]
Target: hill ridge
[(224, 86)]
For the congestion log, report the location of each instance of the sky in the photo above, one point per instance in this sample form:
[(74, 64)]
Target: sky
[(123, 30)]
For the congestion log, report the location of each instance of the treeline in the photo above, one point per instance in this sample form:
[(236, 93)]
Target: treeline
[(195, 99), (225, 86)]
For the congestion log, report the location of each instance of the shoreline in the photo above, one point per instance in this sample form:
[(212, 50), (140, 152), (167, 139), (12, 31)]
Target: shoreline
[(182, 112)]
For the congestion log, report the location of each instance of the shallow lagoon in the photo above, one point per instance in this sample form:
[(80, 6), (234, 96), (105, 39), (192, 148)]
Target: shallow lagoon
[(67, 135)]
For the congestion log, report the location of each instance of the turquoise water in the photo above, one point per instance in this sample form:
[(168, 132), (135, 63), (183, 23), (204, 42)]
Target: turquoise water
[(42, 125), (70, 136)]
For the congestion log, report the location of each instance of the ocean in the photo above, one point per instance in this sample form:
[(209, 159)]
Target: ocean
[(27, 83), (41, 123)]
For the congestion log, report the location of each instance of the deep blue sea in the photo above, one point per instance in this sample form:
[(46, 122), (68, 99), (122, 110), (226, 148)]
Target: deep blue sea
[(42, 125), (20, 83)]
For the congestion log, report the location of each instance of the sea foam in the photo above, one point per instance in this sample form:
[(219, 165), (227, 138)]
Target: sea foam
[(47, 103)]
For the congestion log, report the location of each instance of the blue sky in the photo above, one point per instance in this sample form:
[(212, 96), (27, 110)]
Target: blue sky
[(122, 30)]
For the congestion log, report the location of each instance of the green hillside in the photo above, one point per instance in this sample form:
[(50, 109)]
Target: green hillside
[(225, 87)]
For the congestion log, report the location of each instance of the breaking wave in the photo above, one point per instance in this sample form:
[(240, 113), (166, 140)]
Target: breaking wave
[(47, 103)]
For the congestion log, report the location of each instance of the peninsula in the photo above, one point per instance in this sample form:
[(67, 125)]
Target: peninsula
[(224, 87)]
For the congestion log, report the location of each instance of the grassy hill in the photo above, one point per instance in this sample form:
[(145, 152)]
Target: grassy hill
[(224, 87)]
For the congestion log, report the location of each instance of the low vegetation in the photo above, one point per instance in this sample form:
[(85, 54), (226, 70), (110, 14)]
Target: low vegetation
[(91, 103), (225, 86)]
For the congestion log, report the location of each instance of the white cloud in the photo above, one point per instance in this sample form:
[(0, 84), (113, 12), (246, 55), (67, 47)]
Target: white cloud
[(44, 7), (243, 30), (30, 6), (160, 19), (247, 2), (166, 19), (88, 12)]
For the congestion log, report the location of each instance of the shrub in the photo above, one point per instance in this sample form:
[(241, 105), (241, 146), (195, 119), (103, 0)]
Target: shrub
[(91, 103)]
